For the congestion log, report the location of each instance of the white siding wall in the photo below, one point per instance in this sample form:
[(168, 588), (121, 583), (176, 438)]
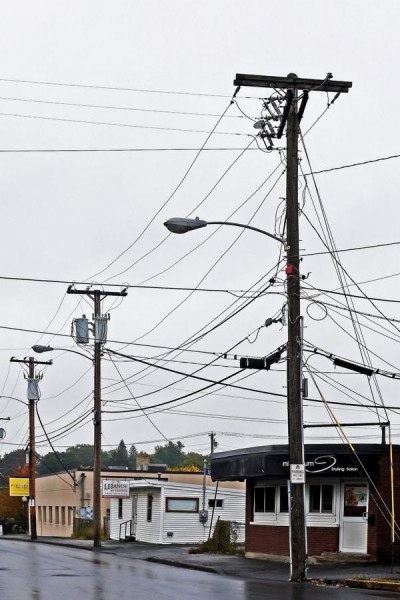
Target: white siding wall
[(148, 531), (114, 520), (186, 527)]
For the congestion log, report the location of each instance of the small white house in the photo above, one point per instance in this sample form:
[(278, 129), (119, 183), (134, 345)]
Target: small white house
[(161, 512)]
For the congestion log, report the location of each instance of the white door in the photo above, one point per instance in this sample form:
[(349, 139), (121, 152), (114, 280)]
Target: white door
[(354, 518)]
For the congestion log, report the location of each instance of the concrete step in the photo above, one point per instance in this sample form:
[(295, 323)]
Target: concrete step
[(344, 557)]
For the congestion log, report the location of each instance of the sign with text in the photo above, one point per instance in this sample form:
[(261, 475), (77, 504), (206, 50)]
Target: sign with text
[(297, 474), (113, 488), (19, 486)]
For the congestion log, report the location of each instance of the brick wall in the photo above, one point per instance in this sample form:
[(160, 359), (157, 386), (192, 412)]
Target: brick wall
[(379, 534)]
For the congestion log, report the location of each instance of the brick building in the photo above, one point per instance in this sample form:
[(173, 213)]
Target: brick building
[(348, 498)]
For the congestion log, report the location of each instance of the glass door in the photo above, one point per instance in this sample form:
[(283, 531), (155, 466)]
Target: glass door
[(354, 518)]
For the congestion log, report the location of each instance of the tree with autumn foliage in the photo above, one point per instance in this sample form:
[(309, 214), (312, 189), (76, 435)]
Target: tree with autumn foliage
[(13, 507)]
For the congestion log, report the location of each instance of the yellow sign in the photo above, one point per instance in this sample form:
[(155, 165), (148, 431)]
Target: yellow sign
[(19, 486)]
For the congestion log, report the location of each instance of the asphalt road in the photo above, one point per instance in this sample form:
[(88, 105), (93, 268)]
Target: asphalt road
[(45, 572)]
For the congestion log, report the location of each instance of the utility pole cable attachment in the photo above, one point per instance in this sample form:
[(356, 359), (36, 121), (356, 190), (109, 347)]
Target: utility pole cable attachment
[(100, 338), (289, 116)]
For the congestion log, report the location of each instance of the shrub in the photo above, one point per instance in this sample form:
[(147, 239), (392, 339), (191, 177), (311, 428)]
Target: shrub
[(223, 539)]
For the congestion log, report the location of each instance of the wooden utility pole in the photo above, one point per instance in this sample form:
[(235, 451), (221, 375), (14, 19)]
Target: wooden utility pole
[(33, 397), (213, 442), (291, 117), (97, 296)]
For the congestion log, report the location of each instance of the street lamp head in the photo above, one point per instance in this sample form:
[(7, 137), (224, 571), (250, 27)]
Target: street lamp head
[(40, 349), (181, 225)]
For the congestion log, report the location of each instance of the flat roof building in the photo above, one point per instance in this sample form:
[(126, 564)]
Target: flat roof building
[(348, 498)]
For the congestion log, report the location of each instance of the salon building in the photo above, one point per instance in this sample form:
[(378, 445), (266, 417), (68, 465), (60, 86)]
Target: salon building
[(348, 498)]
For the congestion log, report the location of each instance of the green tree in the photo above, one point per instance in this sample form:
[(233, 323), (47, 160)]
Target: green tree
[(74, 457), (120, 457), (170, 454), (78, 457), (193, 459), (132, 457)]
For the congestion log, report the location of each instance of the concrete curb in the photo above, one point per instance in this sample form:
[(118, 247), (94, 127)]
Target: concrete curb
[(181, 564), (373, 584)]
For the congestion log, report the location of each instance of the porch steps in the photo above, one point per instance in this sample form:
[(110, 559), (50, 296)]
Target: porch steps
[(344, 557)]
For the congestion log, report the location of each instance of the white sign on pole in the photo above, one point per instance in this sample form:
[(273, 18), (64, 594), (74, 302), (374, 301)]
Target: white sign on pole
[(297, 474), (113, 488)]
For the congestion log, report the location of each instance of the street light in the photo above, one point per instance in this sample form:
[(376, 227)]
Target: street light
[(297, 530), (182, 225), (40, 349)]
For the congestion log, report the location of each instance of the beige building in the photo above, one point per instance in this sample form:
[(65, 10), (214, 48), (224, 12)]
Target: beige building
[(61, 500)]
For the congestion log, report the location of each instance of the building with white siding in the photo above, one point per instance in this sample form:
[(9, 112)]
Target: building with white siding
[(62, 501), (164, 512)]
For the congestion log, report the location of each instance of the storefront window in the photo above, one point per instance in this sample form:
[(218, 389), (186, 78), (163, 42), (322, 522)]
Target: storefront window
[(283, 499), (259, 499), (321, 499), (264, 500)]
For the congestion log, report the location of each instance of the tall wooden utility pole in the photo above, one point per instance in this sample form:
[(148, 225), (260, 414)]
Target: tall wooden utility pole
[(33, 397), (97, 296), (291, 117)]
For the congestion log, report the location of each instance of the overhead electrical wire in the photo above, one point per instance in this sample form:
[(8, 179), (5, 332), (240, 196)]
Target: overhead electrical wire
[(342, 276), (181, 348), (193, 376), (127, 125), (110, 107), (144, 412), (351, 165), (118, 88), (215, 231), (164, 239), (54, 451), (215, 263), (169, 198), (336, 308)]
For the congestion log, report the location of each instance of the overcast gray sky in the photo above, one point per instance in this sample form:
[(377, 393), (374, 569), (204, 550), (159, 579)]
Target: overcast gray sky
[(154, 78)]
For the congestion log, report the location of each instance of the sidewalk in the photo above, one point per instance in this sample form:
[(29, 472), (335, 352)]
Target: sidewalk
[(350, 574)]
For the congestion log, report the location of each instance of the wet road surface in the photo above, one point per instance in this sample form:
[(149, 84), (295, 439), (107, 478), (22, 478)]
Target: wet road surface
[(42, 572)]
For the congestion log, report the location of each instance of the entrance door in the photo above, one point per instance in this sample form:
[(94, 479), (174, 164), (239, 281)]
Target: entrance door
[(354, 518), (134, 515)]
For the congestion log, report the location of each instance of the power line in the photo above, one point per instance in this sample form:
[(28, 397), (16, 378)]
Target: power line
[(171, 195), (128, 286), (349, 166), (365, 297), (353, 249), (129, 125), (119, 89), (54, 150), (109, 107)]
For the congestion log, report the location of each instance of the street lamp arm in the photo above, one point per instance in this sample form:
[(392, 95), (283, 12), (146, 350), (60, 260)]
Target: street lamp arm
[(271, 235), (40, 349), (183, 225)]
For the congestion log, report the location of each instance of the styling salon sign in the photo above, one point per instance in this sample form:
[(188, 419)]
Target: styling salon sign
[(329, 463)]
